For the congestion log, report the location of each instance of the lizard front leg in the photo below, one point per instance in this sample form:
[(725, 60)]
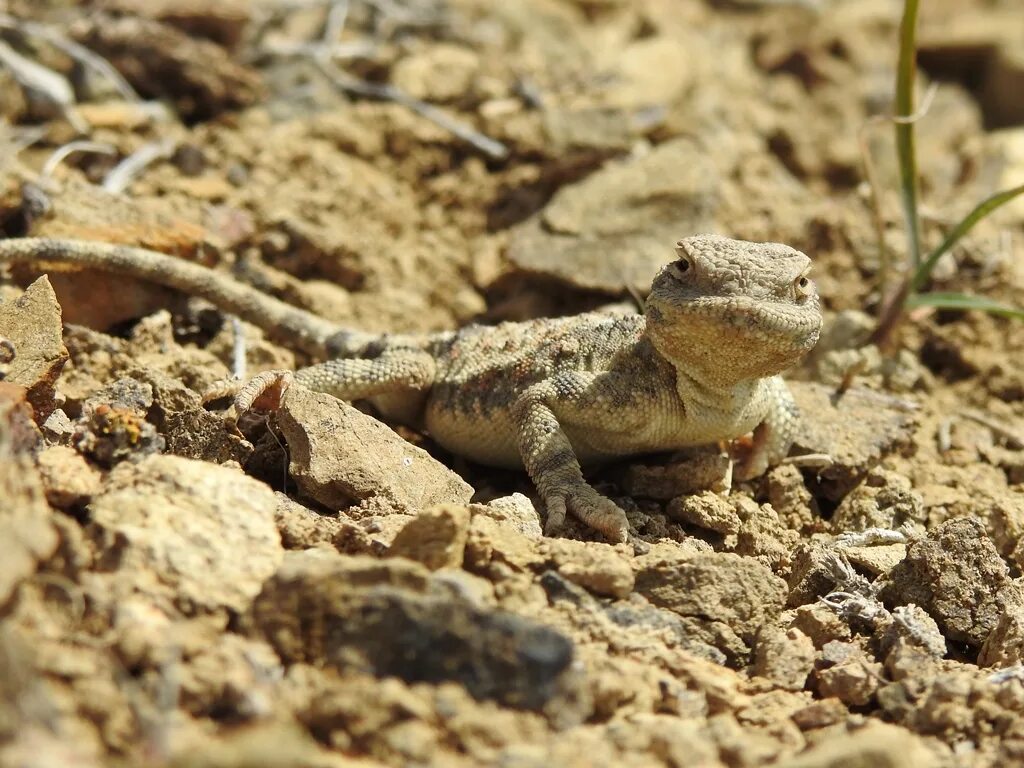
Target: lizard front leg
[(538, 415), (773, 436)]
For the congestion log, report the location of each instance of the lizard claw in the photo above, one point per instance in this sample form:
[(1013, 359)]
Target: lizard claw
[(604, 515), (596, 511), (556, 516)]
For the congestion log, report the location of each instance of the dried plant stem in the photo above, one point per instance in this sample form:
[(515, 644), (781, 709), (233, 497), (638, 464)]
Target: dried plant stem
[(75, 50), (122, 174), (385, 92), (62, 152), (906, 69)]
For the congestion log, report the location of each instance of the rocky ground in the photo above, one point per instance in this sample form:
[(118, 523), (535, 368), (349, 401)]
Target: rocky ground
[(319, 590)]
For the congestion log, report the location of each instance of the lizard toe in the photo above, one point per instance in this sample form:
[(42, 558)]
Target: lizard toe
[(600, 513), (556, 515)]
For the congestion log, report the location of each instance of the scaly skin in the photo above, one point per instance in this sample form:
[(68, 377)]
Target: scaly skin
[(550, 395)]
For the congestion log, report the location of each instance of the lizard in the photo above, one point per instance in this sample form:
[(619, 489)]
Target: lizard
[(701, 364)]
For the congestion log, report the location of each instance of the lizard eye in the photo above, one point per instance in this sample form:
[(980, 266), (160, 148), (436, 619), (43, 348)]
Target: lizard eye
[(683, 265), (681, 268), (803, 286)]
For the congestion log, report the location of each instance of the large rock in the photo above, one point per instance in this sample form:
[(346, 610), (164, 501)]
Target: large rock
[(728, 597), (187, 533), (32, 323), (878, 745), (615, 229), (874, 425), (27, 533), (392, 617), (956, 575), (341, 456)]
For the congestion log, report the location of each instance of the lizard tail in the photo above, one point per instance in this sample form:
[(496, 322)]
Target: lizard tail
[(289, 325)]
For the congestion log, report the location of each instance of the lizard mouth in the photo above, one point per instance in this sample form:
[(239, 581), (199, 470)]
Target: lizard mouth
[(759, 317)]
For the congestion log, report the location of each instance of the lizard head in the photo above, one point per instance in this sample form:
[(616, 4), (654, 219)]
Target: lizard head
[(728, 310)]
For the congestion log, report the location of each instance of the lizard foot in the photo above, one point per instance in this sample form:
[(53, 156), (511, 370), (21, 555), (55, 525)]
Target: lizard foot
[(750, 459), (593, 509), (751, 466), (263, 392)]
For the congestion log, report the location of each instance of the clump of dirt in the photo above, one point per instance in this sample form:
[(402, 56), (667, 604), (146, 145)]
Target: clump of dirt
[(321, 590)]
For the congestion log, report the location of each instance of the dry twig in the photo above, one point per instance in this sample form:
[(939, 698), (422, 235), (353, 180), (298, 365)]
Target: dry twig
[(122, 174), (384, 92), (75, 50), (43, 83), (328, 49), (62, 153)]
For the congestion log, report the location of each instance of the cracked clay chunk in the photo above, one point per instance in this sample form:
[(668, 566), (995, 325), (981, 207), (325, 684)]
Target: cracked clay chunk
[(392, 617), (631, 208), (1004, 646), (912, 631), (27, 533), (68, 478), (786, 657), (874, 425), (198, 535), (595, 566), (18, 430), (706, 510), (341, 456), (198, 76), (732, 597), (32, 323), (436, 538), (516, 512), (878, 745), (847, 673), (955, 574)]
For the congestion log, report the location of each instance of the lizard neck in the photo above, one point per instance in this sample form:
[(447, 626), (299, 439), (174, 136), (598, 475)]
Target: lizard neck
[(716, 391), (713, 393)]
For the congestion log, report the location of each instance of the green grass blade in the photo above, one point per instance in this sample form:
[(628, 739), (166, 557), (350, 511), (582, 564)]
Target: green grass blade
[(905, 151), (983, 209), (964, 301)]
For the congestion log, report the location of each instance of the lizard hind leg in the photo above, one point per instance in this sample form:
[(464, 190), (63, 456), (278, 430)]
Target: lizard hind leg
[(390, 375), (401, 370)]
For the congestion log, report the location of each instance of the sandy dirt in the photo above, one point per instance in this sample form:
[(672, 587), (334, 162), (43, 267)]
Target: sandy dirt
[(316, 589)]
